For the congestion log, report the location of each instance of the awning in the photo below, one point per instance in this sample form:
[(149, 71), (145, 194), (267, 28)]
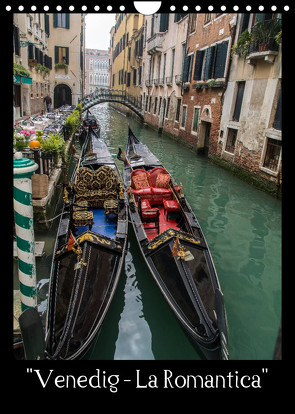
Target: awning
[(25, 79)]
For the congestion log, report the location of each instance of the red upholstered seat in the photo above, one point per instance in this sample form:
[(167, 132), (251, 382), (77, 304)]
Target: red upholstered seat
[(153, 173), (170, 205), (145, 205)]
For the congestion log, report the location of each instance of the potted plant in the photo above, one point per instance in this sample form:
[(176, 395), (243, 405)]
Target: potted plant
[(54, 145), (243, 43), (72, 122), (61, 66), (264, 33), (20, 141)]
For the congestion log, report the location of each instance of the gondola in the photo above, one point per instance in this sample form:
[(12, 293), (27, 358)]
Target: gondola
[(88, 254), (175, 250), (89, 120)]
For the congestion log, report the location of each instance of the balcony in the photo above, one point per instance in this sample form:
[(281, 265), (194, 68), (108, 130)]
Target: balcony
[(156, 82), (264, 42), (148, 82), (169, 80), (178, 79), (154, 43)]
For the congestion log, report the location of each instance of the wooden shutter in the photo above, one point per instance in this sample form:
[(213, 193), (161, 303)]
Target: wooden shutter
[(67, 55), (239, 100), (16, 40), (164, 22), (54, 19), (198, 64), (31, 51), (56, 54), (186, 65), (209, 63), (67, 20), (220, 61), (46, 24)]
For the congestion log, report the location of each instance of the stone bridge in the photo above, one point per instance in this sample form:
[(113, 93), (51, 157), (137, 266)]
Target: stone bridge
[(112, 95)]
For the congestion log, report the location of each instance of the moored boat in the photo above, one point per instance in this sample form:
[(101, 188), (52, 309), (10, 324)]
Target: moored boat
[(90, 120), (175, 250), (88, 254)]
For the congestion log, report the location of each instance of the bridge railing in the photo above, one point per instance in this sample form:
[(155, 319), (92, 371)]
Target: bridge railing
[(112, 94)]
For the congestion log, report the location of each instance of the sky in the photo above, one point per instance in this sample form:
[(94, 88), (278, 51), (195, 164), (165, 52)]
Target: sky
[(98, 26)]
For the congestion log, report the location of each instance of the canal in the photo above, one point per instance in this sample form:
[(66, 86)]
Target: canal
[(242, 226)]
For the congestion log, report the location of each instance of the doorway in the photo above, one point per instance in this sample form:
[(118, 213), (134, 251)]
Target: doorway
[(62, 95), (204, 141)]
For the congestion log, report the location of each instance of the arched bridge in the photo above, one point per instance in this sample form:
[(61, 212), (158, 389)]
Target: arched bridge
[(112, 95)]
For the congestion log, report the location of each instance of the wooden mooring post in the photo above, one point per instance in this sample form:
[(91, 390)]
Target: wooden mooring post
[(23, 169)]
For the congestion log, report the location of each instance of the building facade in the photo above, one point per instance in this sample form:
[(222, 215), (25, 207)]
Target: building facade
[(163, 57), (96, 69), (66, 45), (204, 77), (250, 127), (49, 51), (127, 39), (30, 57)]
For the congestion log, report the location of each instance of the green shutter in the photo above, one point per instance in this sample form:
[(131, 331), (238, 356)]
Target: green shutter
[(67, 55), (67, 20), (220, 61), (55, 54), (198, 64), (209, 63), (54, 19), (185, 72)]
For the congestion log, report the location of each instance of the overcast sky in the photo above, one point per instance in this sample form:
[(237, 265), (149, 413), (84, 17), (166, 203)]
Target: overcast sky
[(98, 26)]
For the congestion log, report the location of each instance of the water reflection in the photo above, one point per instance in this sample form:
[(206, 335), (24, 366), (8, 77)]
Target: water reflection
[(134, 340)]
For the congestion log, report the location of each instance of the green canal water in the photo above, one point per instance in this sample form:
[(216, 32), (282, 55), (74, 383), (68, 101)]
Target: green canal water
[(242, 226)]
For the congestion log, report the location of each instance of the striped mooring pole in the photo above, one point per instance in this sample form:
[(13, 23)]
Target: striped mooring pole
[(23, 169)]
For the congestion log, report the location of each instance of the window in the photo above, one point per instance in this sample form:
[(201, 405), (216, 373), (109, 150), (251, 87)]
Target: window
[(128, 78), (210, 63), (172, 62), (207, 18), (61, 54), (231, 140), (155, 105), (150, 103), (164, 68), (16, 40), (164, 22), (160, 104), (187, 68), (239, 100), (272, 154), (192, 22), (61, 20), (168, 105), (277, 124), (134, 76), (196, 119), (183, 119), (179, 16), (178, 110)]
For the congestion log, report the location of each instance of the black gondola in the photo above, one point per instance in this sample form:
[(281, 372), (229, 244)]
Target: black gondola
[(89, 120), (175, 249), (88, 254)]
